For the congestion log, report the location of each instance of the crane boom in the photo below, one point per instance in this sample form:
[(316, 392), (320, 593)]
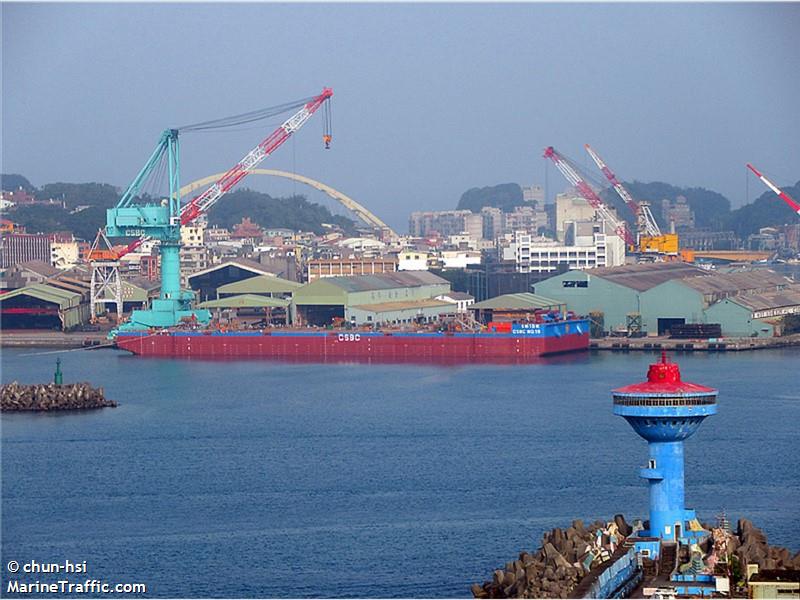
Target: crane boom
[(781, 194), (202, 203), (643, 215), (584, 189)]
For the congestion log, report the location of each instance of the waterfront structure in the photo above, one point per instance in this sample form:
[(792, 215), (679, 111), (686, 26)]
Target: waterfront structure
[(260, 285), (665, 411), (514, 307), (756, 314), (206, 281), (613, 293), (693, 300), (660, 296), (43, 306)]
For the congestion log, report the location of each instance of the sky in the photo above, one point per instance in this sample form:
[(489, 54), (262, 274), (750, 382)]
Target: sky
[(429, 99)]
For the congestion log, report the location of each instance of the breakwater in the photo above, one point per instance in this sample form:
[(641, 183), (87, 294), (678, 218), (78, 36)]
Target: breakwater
[(17, 397), (565, 558), (600, 561)]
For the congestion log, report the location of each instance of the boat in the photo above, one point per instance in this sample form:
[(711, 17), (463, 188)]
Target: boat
[(499, 342)]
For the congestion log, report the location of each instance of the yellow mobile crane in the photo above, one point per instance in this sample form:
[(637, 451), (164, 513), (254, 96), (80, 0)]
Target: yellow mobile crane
[(649, 238)]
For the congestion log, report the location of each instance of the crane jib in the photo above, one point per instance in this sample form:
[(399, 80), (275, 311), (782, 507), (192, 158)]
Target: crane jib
[(202, 203)]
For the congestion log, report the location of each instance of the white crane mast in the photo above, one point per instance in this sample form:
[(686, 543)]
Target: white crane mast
[(646, 222)]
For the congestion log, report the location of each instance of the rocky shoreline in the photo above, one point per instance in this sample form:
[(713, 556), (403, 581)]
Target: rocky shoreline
[(567, 556), (17, 397)]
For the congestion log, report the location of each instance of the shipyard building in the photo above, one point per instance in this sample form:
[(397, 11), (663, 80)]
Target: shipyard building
[(658, 298), (397, 298)]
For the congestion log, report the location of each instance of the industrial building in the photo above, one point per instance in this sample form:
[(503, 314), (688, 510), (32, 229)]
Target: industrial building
[(653, 298), (391, 298), (207, 281), (42, 306), (513, 307), (758, 314), (339, 267)]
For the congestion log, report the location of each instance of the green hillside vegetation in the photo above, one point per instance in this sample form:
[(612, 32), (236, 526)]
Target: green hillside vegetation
[(294, 212), (765, 211), (710, 208), (13, 181), (505, 196)]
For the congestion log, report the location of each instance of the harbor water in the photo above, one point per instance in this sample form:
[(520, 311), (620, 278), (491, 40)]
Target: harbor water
[(270, 479)]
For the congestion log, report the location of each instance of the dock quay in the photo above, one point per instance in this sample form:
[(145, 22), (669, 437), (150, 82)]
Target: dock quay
[(648, 344), (52, 339)]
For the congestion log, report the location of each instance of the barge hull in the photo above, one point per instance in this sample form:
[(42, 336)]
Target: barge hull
[(555, 338)]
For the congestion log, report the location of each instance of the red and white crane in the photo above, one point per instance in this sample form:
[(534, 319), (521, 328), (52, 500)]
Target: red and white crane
[(783, 195), (202, 203), (570, 172), (644, 217)]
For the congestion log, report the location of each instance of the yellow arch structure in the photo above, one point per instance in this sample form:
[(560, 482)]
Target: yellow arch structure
[(346, 201)]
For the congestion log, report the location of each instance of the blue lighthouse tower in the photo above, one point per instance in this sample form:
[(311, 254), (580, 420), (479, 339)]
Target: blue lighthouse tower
[(665, 411)]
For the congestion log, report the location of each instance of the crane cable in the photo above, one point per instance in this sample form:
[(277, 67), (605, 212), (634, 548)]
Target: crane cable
[(243, 118), (84, 348)]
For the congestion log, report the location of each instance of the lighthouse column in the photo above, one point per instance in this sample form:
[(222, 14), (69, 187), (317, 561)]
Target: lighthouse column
[(665, 476)]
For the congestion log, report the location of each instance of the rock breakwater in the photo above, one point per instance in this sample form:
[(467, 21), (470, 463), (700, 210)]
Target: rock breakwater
[(17, 397), (565, 557)]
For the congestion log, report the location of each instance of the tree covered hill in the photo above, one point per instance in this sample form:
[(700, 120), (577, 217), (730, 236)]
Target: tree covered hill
[(765, 211), (294, 212), (84, 209), (711, 209), (504, 196)]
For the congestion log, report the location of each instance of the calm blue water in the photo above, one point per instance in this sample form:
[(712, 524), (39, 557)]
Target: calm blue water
[(270, 479)]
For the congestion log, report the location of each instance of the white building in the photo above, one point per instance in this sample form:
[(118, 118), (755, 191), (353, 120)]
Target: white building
[(541, 255), (412, 260), (571, 207), (193, 235), (64, 254), (461, 299), (533, 193), (459, 259), (367, 246)]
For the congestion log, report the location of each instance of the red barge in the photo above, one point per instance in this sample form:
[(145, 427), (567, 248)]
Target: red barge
[(522, 342)]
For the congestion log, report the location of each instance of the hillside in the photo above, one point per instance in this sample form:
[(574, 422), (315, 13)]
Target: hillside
[(765, 211), (504, 196)]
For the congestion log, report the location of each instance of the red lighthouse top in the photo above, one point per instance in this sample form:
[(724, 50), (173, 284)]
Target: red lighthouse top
[(664, 378)]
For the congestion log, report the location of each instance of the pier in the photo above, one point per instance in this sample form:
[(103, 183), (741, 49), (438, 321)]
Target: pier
[(648, 344), (52, 339)]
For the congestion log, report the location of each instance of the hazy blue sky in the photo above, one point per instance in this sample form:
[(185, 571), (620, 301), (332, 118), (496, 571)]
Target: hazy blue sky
[(429, 99)]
